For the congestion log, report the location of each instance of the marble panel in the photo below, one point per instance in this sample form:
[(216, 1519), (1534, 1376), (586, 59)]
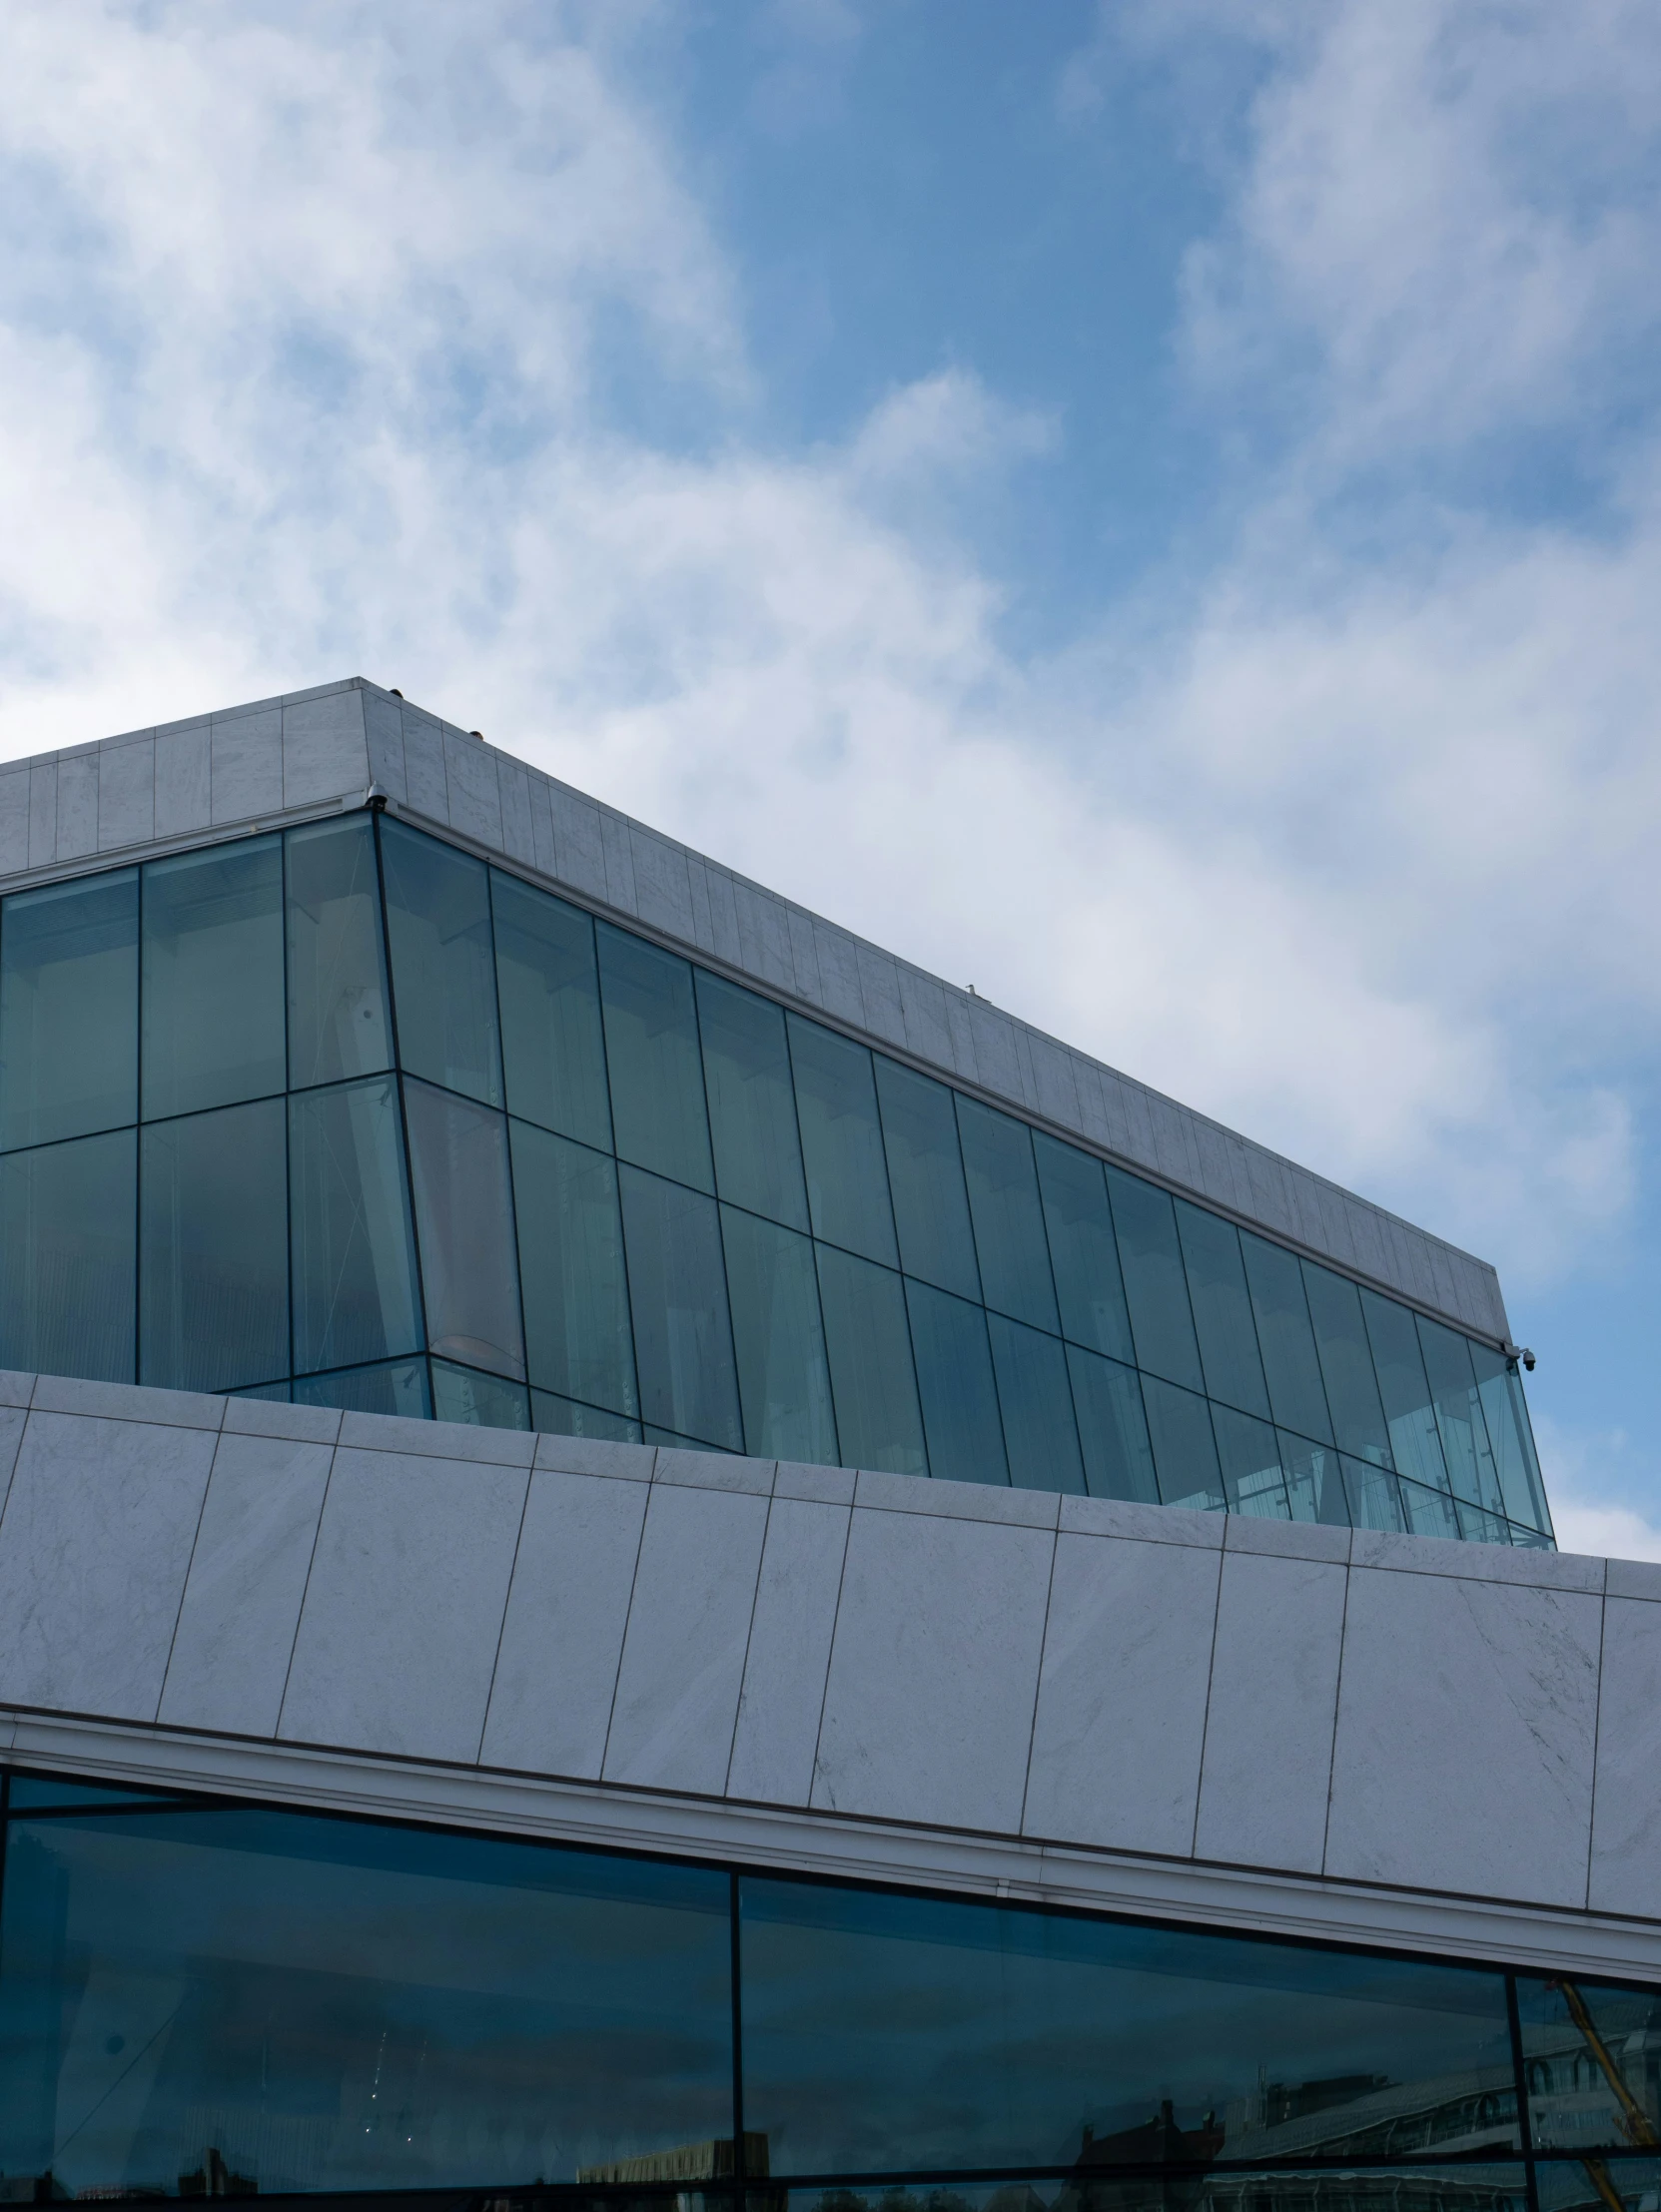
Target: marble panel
[(542, 826), (325, 751), (660, 883), (596, 1455), (1146, 1524), (789, 1652), (43, 814), (929, 1703), (879, 991), (723, 916), (837, 957), (302, 1424), (714, 1471), (1056, 1095), (960, 1022), (16, 1389), (12, 1419), (701, 928), (245, 765), (128, 1401), (928, 1032), (423, 766), (556, 1674), (392, 1432), (579, 848), (764, 941), (1244, 1532), (404, 1608), (1467, 1722), (956, 1501), (1429, 1555), (1626, 1825), (795, 1478), (996, 1064), (125, 794), (184, 780), (384, 739), (1623, 1578), (475, 790), (77, 806), (517, 832), (1121, 1701), (14, 821), (797, 933), (617, 849)]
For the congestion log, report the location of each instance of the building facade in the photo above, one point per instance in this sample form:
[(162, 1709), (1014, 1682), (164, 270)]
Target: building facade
[(648, 1555)]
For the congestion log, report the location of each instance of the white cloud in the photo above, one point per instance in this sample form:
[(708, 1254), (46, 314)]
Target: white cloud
[(1589, 1479)]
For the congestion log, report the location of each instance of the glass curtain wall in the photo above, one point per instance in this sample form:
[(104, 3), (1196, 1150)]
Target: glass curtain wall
[(204, 1999), (349, 1115)]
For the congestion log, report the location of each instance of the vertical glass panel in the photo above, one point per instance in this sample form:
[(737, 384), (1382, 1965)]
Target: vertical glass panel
[(1083, 1251), (954, 1384), (1036, 1400), (289, 2005), (69, 1008), (1314, 1482), (1221, 1309), (464, 1225), (1589, 2062), (847, 1176), (886, 2032), (1251, 1461), (1373, 1502), (444, 973), (552, 1415), (482, 1401), (1499, 1390), (1185, 1450), (1598, 2185), (1288, 1341), (214, 1017), (68, 1215), (1347, 1364), (783, 1379), (752, 1107), (547, 984), (1008, 1217), (868, 1344), (1460, 1421), (1156, 1287), (1427, 1512), (214, 1249), (1479, 1527), (678, 1295), (1399, 1365), (397, 1386), (925, 1176), (575, 1288), (1112, 1428), (352, 1251), (337, 1023), (651, 1043)]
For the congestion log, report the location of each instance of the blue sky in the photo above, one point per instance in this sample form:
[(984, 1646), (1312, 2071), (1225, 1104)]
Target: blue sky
[(1152, 508)]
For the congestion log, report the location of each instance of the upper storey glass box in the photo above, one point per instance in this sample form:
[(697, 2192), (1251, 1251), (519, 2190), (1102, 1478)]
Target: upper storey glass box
[(344, 1113)]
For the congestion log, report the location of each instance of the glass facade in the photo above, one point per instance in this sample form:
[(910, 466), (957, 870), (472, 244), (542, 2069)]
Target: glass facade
[(206, 1998), (348, 1116)]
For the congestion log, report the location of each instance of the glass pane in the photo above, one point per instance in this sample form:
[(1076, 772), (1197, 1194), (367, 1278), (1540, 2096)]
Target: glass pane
[(925, 1176), (891, 2031), (868, 1344), (1037, 1404), (555, 1416), (576, 1331), (1221, 1309), (1008, 1221), (1599, 2184), (1427, 1512), (678, 1295), (214, 1249), (1156, 1285), (1119, 2188), (271, 1393), (1459, 1419), (326, 2004), (443, 975), (955, 1387), (1251, 1461), (482, 1401), (552, 1045), (337, 1023), (1315, 1483), (847, 1177), (1478, 1527), (1112, 1428), (68, 1217), (353, 1253), (1399, 1365), (1285, 1338), (465, 1228), (1499, 1389), (752, 1107), (1347, 1364), (1184, 1451), (651, 1042), (1373, 1502), (69, 1008), (783, 1379), (1083, 1251), (29, 1792), (399, 1386), (212, 995), (1589, 2060)]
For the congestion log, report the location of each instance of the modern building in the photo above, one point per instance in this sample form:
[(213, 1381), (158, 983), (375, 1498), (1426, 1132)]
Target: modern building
[(647, 1556)]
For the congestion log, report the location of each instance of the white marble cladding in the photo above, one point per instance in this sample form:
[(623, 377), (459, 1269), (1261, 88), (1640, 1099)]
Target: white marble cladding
[(1076, 1677), (312, 749)]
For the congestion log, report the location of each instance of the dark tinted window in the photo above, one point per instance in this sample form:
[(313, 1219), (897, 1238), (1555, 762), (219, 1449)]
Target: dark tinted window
[(213, 1001), (69, 1008), (547, 984)]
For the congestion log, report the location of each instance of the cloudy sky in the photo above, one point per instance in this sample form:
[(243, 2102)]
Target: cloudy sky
[(1147, 507)]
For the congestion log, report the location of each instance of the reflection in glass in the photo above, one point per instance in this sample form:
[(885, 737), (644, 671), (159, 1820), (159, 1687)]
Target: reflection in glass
[(214, 1249), (752, 1107), (783, 1380), (337, 977), (1427, 1512), (552, 1045), (213, 998), (869, 1348), (552, 1415), (1083, 1252), (842, 1151), (1592, 2064), (481, 1401), (352, 1254), (925, 1176), (1156, 1285), (1102, 2184), (1459, 1418), (1252, 1480), (1315, 1483), (465, 1228), (32, 1793), (1347, 1364), (329, 2005), (1373, 1499), (575, 1288), (1291, 1364), (395, 1387), (1509, 1436), (69, 1010), (1185, 1450), (955, 1387), (1037, 1404), (1112, 1428), (651, 1043), (678, 1295), (1009, 1220), (67, 1281), (1595, 2184), (443, 975), (1405, 1391), (1221, 1309)]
